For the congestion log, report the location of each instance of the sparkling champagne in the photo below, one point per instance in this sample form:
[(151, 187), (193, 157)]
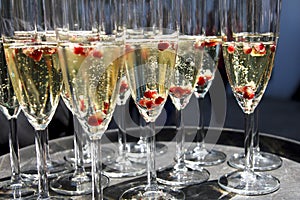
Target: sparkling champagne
[(8, 101), (150, 68), (37, 80), (212, 48), (91, 75), (249, 62), (187, 68)]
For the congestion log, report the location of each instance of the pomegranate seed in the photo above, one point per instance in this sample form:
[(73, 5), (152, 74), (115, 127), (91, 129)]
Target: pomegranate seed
[(142, 102), (150, 94), (259, 47), (79, 50), (97, 54), (159, 100), (94, 120), (247, 49), (123, 87), (230, 49), (82, 105), (248, 93), (163, 46), (210, 44), (273, 47), (201, 80), (36, 55), (106, 105), (149, 104)]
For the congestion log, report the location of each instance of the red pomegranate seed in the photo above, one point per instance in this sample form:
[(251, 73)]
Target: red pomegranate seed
[(123, 87), (273, 47), (142, 102), (150, 94), (36, 55), (210, 44), (149, 104), (259, 47), (97, 54), (163, 46), (82, 105), (79, 50), (94, 120), (248, 93), (247, 49), (159, 100), (230, 49), (201, 80)]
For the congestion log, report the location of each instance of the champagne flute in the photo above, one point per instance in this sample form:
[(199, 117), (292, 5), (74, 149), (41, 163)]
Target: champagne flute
[(263, 161), (122, 166), (32, 59), (250, 31), (151, 54), (201, 155), (16, 187), (79, 182), (91, 54), (187, 68)]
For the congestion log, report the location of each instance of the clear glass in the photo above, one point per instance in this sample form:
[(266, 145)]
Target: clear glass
[(250, 32), (263, 161), (122, 166), (150, 62), (16, 187), (200, 154), (91, 55), (188, 66), (31, 55), (80, 181)]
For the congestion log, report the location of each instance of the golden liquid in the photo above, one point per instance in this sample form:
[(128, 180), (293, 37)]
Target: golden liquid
[(149, 68), (92, 79), (37, 80), (251, 70)]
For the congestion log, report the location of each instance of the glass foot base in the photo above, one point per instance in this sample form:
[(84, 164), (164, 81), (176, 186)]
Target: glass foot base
[(8, 191), (107, 155), (162, 193), (204, 157), (123, 169), (55, 169), (263, 161), (178, 178), (249, 183), (137, 152), (70, 185)]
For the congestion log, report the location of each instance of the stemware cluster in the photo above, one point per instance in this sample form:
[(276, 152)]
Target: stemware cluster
[(97, 54)]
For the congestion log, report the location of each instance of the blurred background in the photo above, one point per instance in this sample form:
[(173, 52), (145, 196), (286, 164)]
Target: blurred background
[(279, 110)]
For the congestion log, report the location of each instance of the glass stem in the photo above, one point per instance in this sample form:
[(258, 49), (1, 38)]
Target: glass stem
[(180, 138), (41, 153), (122, 140), (14, 151), (248, 143), (256, 133), (151, 171), (97, 189), (48, 159), (200, 131), (78, 147)]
